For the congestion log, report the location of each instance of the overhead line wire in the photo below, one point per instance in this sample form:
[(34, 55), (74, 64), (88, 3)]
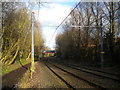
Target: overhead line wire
[(68, 15), (62, 22)]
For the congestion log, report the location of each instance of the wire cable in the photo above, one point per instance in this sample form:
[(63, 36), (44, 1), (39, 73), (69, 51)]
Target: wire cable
[(62, 22)]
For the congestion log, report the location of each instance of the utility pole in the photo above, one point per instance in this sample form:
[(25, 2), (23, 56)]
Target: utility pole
[(32, 55), (79, 34), (101, 43)]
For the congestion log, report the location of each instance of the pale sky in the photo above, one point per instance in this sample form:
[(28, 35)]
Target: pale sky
[(51, 15)]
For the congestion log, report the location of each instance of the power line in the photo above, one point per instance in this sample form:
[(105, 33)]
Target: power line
[(68, 15), (62, 22)]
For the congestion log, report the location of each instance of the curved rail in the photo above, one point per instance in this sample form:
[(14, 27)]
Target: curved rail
[(104, 76), (70, 86), (87, 81)]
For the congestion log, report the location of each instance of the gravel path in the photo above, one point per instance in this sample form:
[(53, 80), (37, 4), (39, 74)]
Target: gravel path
[(44, 78)]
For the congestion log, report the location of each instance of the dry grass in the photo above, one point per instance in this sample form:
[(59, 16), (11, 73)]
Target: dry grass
[(8, 68)]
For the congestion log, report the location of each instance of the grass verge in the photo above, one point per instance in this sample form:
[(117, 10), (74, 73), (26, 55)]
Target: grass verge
[(8, 68), (23, 83)]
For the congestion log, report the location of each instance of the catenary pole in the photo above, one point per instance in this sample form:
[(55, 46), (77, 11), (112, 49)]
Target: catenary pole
[(32, 55), (101, 42)]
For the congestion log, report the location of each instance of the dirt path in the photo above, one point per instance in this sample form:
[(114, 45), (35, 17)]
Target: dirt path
[(13, 77)]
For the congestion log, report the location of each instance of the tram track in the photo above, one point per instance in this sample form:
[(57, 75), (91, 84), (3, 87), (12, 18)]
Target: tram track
[(98, 70), (73, 75), (101, 74), (69, 86)]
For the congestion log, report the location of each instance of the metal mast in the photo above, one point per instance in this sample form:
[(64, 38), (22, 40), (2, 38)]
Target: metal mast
[(101, 42), (32, 55)]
